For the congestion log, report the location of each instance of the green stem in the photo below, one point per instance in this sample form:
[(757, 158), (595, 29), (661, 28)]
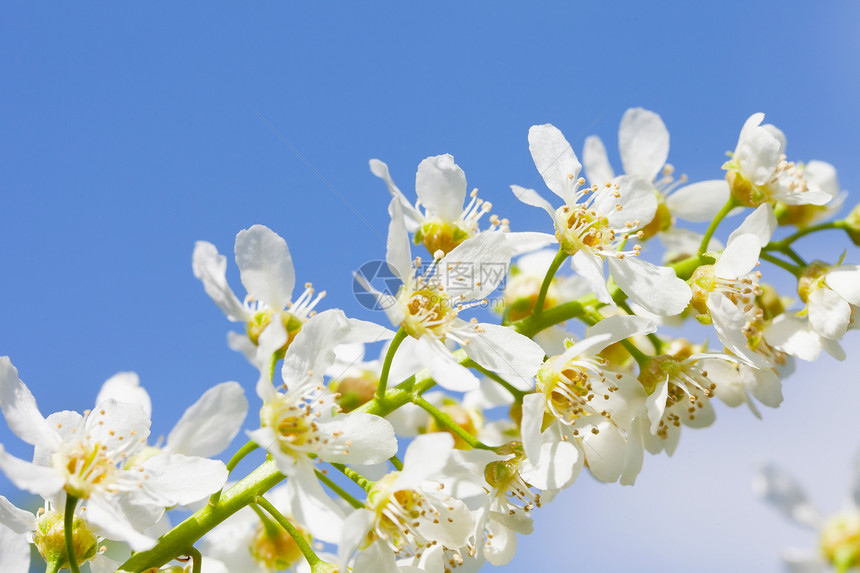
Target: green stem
[(792, 254), (395, 461), (338, 490), (787, 241), (593, 317), (446, 421), (685, 268), (359, 479), (177, 540), (52, 567), (68, 532), (196, 560), (271, 370), (302, 543), (730, 204), (516, 393), (386, 365), (532, 324), (231, 465), (796, 271), (560, 256)]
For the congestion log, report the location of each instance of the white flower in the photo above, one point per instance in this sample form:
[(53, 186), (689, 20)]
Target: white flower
[(440, 185), (272, 318), (838, 535), (758, 171), (87, 456), (595, 221), (643, 143), (427, 308), (831, 294), (303, 420), (408, 512), (591, 407)]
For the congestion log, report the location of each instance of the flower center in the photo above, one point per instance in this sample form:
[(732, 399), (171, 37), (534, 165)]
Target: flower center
[(577, 227), (570, 393), (429, 310)]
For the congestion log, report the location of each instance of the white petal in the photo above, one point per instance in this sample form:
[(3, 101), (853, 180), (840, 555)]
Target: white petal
[(779, 489), (555, 160), (532, 418), (501, 547), (845, 280), (20, 409), (528, 241), (311, 352), (829, 313), (559, 465), (211, 423), (424, 459), (507, 353), (380, 169), (758, 151), (739, 257), (793, 336), (476, 266), (112, 523), (312, 507), (14, 518), (398, 253), (265, 266), (605, 453), (355, 528), (178, 480), (441, 186), (362, 331), (618, 327), (637, 198), (700, 201), (656, 404), (766, 386), (531, 197), (377, 558), (125, 387), (590, 268), (371, 439), (822, 175), (729, 322), (444, 369), (656, 289), (211, 268), (595, 161), (112, 423), (454, 526), (14, 552), (761, 223), (635, 455), (643, 142)]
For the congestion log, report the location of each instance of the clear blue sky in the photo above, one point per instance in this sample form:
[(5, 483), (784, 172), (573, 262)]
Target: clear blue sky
[(128, 131)]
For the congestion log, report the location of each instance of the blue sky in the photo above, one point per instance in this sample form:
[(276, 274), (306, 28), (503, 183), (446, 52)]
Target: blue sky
[(127, 132)]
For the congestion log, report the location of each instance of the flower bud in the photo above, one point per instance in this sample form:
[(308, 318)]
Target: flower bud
[(770, 302), (852, 222), (662, 221), (276, 549), (521, 295), (702, 282), (261, 320), (439, 236), (355, 390), (470, 420), (49, 539), (811, 279)]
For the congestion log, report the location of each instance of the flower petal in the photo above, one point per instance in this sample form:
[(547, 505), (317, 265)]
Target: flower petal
[(845, 280), (761, 223), (312, 507), (398, 253), (476, 266), (112, 523), (656, 289), (125, 387), (595, 161), (441, 187), (507, 353), (175, 479), (531, 197), (358, 438), (265, 266), (643, 142), (739, 257), (211, 268), (20, 409), (555, 160), (829, 313), (590, 268), (14, 552), (14, 518), (425, 458), (211, 423), (700, 201)]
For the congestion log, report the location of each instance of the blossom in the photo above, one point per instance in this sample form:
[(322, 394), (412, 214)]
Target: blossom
[(427, 307), (301, 419), (408, 512), (595, 222), (591, 407), (272, 318), (758, 171), (831, 293), (88, 456), (643, 143)]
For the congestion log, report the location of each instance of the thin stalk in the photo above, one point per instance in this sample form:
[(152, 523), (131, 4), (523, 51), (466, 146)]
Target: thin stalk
[(52, 567), (386, 365), (730, 204), (338, 490), (517, 394), (787, 241), (395, 461), (446, 421), (792, 254), (68, 532), (302, 543), (796, 271), (532, 324), (231, 465), (359, 479), (560, 256), (196, 560)]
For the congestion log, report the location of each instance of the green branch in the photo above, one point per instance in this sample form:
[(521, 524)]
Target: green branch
[(302, 543), (560, 256), (386, 365), (730, 204), (446, 421), (68, 532)]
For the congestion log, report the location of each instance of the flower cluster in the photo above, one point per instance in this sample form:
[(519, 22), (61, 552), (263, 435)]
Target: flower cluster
[(491, 417)]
